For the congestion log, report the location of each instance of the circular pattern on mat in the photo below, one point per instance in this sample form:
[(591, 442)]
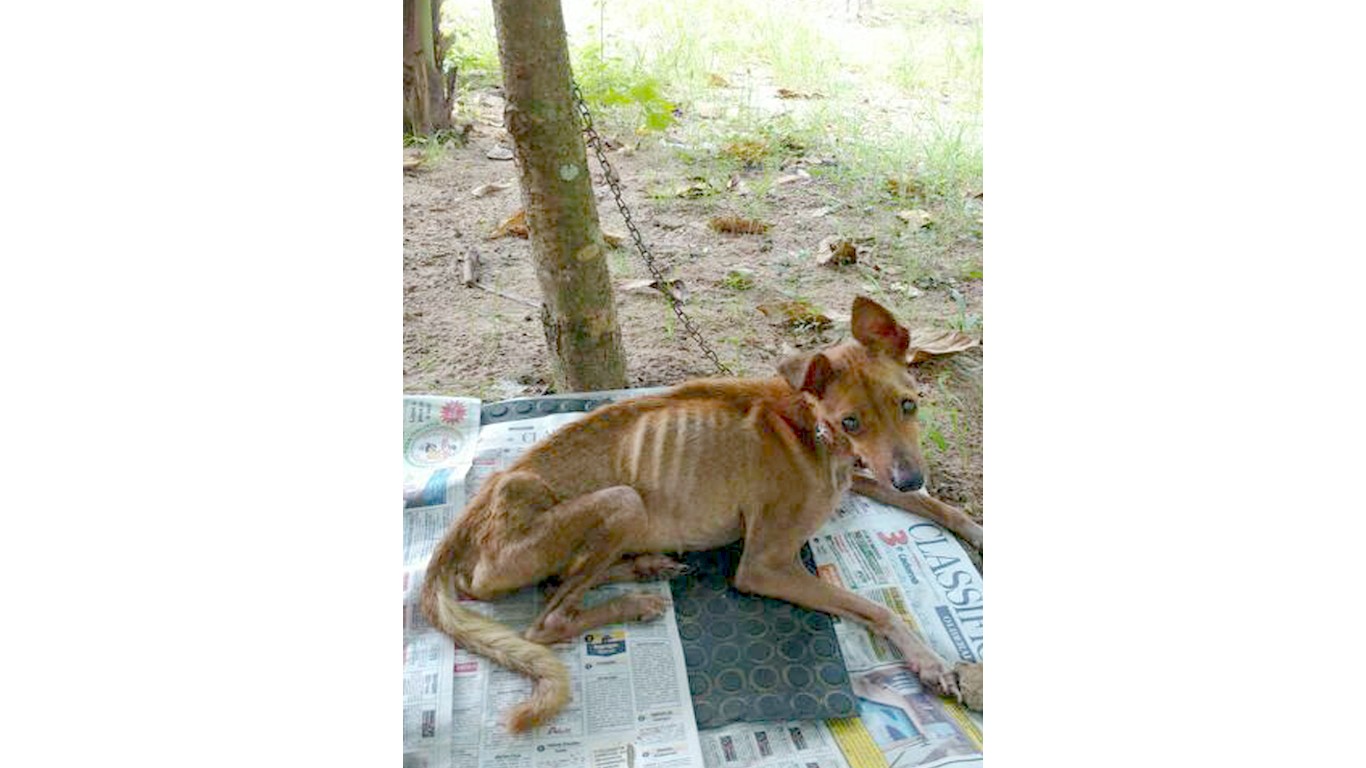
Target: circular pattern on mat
[(754, 658)]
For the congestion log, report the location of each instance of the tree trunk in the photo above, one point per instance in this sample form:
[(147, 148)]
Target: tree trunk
[(578, 309), (426, 97)]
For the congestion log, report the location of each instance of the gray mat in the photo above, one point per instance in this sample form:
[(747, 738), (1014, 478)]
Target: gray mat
[(754, 659)]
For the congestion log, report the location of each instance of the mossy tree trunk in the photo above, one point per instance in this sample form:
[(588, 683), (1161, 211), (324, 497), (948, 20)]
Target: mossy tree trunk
[(578, 308), (426, 94)]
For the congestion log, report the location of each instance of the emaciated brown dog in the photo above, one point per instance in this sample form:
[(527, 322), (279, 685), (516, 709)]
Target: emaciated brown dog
[(705, 464)]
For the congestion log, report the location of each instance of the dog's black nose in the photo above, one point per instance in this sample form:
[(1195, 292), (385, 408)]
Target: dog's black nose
[(907, 480)]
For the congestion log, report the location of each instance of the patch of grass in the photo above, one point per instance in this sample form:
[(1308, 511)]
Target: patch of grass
[(750, 153), (737, 280), (619, 90), (435, 148)]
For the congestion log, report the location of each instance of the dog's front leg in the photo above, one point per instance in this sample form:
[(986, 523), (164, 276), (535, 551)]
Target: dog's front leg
[(921, 503), (796, 585), (769, 566)]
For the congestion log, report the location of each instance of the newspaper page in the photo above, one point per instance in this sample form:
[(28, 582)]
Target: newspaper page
[(917, 569), (789, 744), (630, 706)]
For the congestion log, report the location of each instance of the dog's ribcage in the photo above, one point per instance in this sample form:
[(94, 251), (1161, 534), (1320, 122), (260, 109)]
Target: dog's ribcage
[(691, 465)]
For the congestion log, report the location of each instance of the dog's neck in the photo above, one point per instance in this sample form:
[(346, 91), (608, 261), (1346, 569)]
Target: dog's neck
[(818, 437)]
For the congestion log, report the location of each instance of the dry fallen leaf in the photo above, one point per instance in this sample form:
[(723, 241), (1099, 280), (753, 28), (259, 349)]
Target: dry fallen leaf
[(788, 93), (737, 185), (411, 163), (916, 218), (675, 288), (484, 190), (800, 175), (737, 225), (796, 314), (716, 81), (612, 238), (499, 152), (514, 225), (836, 251), (928, 342)]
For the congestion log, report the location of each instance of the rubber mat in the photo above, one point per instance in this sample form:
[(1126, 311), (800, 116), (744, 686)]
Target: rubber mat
[(754, 659)]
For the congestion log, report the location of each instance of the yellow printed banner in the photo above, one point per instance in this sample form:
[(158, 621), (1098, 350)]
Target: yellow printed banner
[(856, 743)]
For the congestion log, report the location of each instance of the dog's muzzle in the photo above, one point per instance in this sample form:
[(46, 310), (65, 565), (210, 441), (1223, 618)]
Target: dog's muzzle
[(906, 479)]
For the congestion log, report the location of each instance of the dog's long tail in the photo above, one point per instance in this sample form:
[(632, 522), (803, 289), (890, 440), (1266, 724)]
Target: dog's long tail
[(479, 634)]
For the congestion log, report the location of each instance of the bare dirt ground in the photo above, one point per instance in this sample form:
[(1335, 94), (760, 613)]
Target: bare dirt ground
[(472, 342)]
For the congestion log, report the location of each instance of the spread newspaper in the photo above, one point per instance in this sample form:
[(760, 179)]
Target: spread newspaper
[(631, 706)]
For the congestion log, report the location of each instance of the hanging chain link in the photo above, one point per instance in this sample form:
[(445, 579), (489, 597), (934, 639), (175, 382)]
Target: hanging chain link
[(614, 182)]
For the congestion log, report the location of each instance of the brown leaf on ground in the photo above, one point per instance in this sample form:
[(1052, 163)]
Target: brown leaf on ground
[(675, 288), (929, 342), (796, 314), (800, 175), (514, 225), (612, 239), (916, 218), (484, 190), (737, 225), (716, 81), (411, 163), (836, 251), (498, 152), (788, 93)]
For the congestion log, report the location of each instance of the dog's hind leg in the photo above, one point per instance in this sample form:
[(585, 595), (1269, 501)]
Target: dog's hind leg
[(638, 606), (585, 537), (649, 567)]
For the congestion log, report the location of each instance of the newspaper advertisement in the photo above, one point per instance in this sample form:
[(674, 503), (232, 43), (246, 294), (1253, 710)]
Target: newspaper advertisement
[(630, 704), (789, 744), (921, 572)]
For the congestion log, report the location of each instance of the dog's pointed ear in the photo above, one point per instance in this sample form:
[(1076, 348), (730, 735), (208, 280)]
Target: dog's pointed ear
[(876, 329), (807, 373)]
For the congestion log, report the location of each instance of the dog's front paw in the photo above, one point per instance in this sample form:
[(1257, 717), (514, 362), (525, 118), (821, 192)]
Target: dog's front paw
[(650, 607), (972, 534), (936, 675), (970, 685)]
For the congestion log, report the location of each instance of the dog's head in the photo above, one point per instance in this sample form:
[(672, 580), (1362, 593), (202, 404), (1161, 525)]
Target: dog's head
[(862, 393)]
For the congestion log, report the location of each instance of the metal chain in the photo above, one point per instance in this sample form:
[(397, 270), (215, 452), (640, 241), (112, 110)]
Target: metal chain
[(613, 181)]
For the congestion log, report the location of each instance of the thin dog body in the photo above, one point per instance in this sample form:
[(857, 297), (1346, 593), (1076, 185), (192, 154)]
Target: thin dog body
[(705, 464)]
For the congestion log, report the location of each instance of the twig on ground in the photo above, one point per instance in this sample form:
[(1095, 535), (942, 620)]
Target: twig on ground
[(508, 296)]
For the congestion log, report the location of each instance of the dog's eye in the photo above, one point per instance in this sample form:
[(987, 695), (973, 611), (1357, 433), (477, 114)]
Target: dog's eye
[(850, 424), (908, 406)]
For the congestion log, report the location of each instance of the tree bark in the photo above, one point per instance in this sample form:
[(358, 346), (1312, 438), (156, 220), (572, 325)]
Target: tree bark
[(578, 310), (426, 97)]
